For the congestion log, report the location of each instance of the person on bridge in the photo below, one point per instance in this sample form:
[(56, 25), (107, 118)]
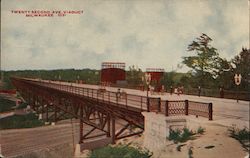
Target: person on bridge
[(162, 89), (118, 94), (199, 91), (171, 90)]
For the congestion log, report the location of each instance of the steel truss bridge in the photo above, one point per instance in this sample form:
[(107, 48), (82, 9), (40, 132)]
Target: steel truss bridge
[(98, 107)]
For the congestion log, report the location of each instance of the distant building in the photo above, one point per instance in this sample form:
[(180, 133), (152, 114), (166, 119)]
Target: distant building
[(113, 72), (156, 75)]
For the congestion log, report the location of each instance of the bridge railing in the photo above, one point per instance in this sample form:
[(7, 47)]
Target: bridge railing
[(129, 101), (187, 107), (120, 98)]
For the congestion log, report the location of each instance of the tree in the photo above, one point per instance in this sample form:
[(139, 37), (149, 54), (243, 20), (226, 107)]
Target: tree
[(225, 74), (168, 79), (134, 76), (205, 62), (241, 65)]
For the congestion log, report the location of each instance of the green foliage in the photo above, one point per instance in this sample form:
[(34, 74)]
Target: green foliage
[(6, 105), (20, 121), (168, 79), (242, 135), (175, 135), (225, 74), (241, 64), (205, 63), (174, 79), (87, 75), (121, 151), (186, 134), (211, 71), (180, 136), (134, 76), (200, 130)]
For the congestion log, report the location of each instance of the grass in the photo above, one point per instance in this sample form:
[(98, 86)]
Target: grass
[(20, 121), (184, 134), (6, 105), (200, 130), (242, 135), (120, 151), (180, 135)]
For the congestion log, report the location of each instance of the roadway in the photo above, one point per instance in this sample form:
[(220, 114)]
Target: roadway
[(225, 111), (17, 142)]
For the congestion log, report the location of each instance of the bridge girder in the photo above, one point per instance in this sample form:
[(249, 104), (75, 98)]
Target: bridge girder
[(101, 115)]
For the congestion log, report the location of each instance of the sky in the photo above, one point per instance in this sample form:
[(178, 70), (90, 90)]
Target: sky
[(145, 33)]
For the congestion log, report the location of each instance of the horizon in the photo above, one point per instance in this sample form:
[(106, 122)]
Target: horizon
[(64, 69), (146, 34)]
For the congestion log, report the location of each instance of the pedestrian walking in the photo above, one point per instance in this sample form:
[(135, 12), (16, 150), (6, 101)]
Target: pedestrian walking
[(118, 94)]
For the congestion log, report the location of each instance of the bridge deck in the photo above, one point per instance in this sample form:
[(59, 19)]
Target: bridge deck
[(130, 99)]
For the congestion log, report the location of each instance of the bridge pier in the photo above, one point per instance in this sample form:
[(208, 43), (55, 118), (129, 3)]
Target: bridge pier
[(158, 127)]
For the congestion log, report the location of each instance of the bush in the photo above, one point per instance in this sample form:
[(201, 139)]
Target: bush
[(20, 121), (186, 134), (200, 130), (242, 135), (6, 105), (121, 151), (180, 136), (175, 135)]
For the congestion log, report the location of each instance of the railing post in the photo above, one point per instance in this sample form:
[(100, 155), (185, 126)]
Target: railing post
[(186, 107), (166, 108), (210, 111), (148, 105), (159, 104)]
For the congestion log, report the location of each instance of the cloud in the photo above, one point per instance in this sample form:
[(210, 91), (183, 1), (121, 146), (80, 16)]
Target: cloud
[(144, 33)]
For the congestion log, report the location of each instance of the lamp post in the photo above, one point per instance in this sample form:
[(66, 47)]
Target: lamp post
[(237, 80), (147, 79)]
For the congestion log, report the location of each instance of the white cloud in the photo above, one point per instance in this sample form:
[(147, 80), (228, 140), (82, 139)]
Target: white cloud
[(144, 33)]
